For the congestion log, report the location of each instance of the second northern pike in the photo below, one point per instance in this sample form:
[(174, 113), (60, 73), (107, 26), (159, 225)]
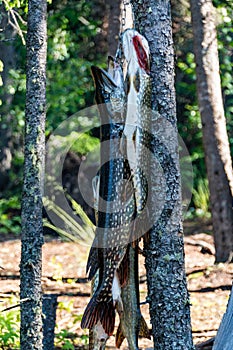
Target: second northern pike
[(116, 205), (138, 83), (132, 323)]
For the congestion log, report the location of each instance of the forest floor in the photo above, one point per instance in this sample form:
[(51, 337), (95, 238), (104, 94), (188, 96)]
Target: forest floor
[(64, 275)]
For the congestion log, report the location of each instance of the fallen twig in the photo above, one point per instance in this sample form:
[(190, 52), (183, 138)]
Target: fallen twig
[(206, 343)]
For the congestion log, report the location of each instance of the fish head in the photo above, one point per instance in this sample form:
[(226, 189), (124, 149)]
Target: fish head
[(104, 84), (136, 51), (110, 90), (117, 97), (100, 337)]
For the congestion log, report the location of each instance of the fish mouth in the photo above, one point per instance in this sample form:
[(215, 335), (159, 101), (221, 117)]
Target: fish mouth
[(141, 53), (102, 78), (134, 46)]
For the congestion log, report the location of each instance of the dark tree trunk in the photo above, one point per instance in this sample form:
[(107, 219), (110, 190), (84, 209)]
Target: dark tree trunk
[(8, 57), (49, 308), (108, 12), (215, 138), (32, 225), (113, 12), (164, 250), (224, 337)]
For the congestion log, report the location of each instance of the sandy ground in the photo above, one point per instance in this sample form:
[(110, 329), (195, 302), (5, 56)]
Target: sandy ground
[(64, 274)]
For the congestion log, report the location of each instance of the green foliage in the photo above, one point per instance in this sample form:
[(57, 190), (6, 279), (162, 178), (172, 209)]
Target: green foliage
[(72, 31), (9, 215), (201, 199), (189, 120), (71, 52), (71, 229), (62, 340), (66, 338), (9, 328)]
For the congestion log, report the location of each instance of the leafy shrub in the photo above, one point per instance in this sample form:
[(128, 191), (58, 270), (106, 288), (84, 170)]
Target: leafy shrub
[(9, 215), (9, 328)]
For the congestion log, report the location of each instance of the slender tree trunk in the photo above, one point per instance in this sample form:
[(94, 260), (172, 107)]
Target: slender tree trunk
[(8, 57), (164, 250), (215, 138), (32, 225), (224, 337), (49, 308), (113, 12)]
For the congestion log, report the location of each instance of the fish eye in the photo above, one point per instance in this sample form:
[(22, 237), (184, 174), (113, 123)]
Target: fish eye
[(127, 84), (136, 81)]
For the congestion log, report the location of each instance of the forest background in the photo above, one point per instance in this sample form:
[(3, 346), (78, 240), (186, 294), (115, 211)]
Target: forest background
[(81, 34)]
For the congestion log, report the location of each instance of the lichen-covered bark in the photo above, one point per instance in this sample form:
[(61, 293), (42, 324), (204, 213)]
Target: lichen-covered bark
[(164, 250), (32, 226), (215, 139)]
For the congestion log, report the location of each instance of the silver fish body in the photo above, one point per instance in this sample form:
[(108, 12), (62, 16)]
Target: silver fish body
[(137, 125)]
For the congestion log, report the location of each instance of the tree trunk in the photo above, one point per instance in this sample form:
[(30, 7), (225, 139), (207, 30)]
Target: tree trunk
[(113, 13), (224, 337), (49, 308), (215, 138), (8, 57), (32, 225), (164, 249)]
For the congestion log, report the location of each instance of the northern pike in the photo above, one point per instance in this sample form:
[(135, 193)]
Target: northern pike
[(100, 314), (97, 335), (135, 50), (116, 204), (132, 324)]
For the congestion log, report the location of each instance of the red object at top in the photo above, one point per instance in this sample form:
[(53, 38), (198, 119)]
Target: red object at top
[(141, 53)]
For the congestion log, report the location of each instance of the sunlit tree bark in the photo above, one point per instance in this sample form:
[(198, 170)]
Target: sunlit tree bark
[(164, 251), (34, 151)]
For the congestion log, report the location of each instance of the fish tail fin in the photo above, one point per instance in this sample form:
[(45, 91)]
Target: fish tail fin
[(119, 336), (99, 309), (144, 331)]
